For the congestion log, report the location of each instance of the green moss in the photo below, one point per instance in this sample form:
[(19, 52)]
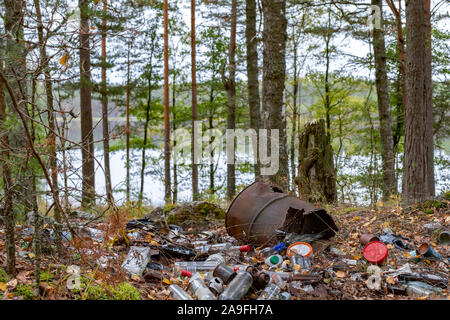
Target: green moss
[(210, 209), (3, 276), (97, 293), (194, 212), (175, 218), (125, 291), (25, 291), (169, 207)]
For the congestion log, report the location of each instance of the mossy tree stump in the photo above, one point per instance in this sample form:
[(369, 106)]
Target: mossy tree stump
[(316, 177)]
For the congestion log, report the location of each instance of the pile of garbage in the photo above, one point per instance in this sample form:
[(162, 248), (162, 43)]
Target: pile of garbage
[(229, 271), (279, 260)]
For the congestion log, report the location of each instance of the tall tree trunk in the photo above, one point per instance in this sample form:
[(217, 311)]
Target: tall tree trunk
[(230, 86), (167, 191), (87, 136), (16, 72), (194, 102), (127, 182), (428, 98), (416, 159), (109, 194), (147, 120), (274, 73), (51, 122), (212, 187), (401, 86), (384, 111), (37, 223), (400, 45), (174, 127), (62, 142), (252, 76), (7, 210), (294, 113), (327, 76)]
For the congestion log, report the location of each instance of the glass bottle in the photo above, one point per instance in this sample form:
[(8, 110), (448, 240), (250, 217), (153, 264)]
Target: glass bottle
[(199, 289), (178, 293), (238, 287)]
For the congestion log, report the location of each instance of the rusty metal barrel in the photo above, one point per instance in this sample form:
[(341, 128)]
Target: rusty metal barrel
[(261, 209)]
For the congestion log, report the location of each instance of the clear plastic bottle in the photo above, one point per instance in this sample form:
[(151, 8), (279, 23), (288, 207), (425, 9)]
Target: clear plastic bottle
[(286, 276), (194, 266), (270, 292), (178, 293), (238, 287), (199, 289), (267, 252), (216, 257), (222, 247), (198, 266), (421, 289), (240, 267)]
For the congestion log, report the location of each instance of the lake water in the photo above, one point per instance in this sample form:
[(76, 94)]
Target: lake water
[(154, 185)]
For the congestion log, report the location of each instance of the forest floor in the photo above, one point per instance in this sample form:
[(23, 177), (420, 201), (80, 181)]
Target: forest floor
[(339, 261)]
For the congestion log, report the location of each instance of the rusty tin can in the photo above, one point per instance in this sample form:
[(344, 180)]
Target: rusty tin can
[(367, 237)]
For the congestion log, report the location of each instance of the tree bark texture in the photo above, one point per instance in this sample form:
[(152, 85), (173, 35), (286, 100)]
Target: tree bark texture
[(252, 75), (387, 152), (87, 137), (316, 178), (274, 73)]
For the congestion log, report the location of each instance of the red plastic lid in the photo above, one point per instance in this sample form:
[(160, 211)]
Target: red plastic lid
[(186, 273), (375, 252), (244, 248)]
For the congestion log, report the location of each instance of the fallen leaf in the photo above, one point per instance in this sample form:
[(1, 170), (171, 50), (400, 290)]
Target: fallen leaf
[(340, 274), (167, 281), (391, 280), (135, 277), (3, 286)]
